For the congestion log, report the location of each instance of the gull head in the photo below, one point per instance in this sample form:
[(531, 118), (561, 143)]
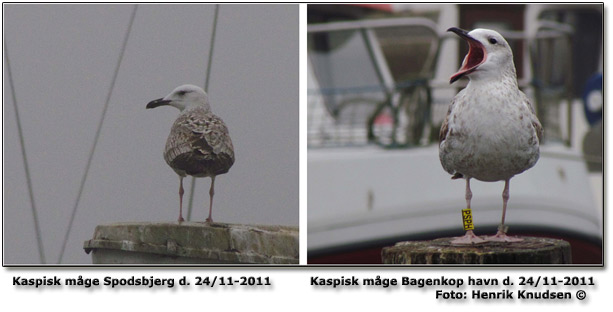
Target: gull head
[(182, 97), (489, 55)]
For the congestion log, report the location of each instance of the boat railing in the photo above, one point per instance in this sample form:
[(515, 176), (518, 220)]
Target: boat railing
[(372, 81)]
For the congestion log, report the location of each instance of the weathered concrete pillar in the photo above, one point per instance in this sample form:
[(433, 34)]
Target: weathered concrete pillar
[(193, 242), (532, 250)]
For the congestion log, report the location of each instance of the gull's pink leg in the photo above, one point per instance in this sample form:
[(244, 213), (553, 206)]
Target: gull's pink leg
[(501, 235), (181, 199), (211, 193), (470, 237)]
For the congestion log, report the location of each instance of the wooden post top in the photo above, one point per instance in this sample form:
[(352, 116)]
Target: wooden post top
[(532, 250), (193, 242)]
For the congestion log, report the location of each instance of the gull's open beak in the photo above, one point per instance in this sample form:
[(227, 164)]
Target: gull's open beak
[(158, 102), (475, 57)]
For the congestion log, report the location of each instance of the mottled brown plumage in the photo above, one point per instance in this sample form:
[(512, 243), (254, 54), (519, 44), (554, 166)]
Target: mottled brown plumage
[(199, 143)]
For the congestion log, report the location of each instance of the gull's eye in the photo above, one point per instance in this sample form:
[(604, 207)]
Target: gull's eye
[(181, 93), (492, 41)]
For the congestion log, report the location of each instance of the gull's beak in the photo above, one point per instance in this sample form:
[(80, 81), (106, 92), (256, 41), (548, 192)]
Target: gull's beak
[(158, 102), (475, 57)]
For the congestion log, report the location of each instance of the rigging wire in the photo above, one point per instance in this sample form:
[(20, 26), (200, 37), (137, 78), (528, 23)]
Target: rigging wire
[(39, 241), (206, 88), (98, 130)]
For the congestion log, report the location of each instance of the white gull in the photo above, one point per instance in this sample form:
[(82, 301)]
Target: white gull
[(491, 132), (199, 143)]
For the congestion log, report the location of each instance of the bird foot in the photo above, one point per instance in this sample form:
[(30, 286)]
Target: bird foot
[(503, 237), (209, 220), (468, 239), (180, 219)]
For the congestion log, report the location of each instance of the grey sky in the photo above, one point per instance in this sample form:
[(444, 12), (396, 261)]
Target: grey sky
[(62, 59)]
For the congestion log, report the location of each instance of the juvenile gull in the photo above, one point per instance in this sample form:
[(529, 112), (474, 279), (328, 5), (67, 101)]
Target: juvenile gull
[(491, 131), (199, 143)]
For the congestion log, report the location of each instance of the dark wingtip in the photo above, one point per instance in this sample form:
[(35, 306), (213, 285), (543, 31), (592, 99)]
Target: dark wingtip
[(457, 175)]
